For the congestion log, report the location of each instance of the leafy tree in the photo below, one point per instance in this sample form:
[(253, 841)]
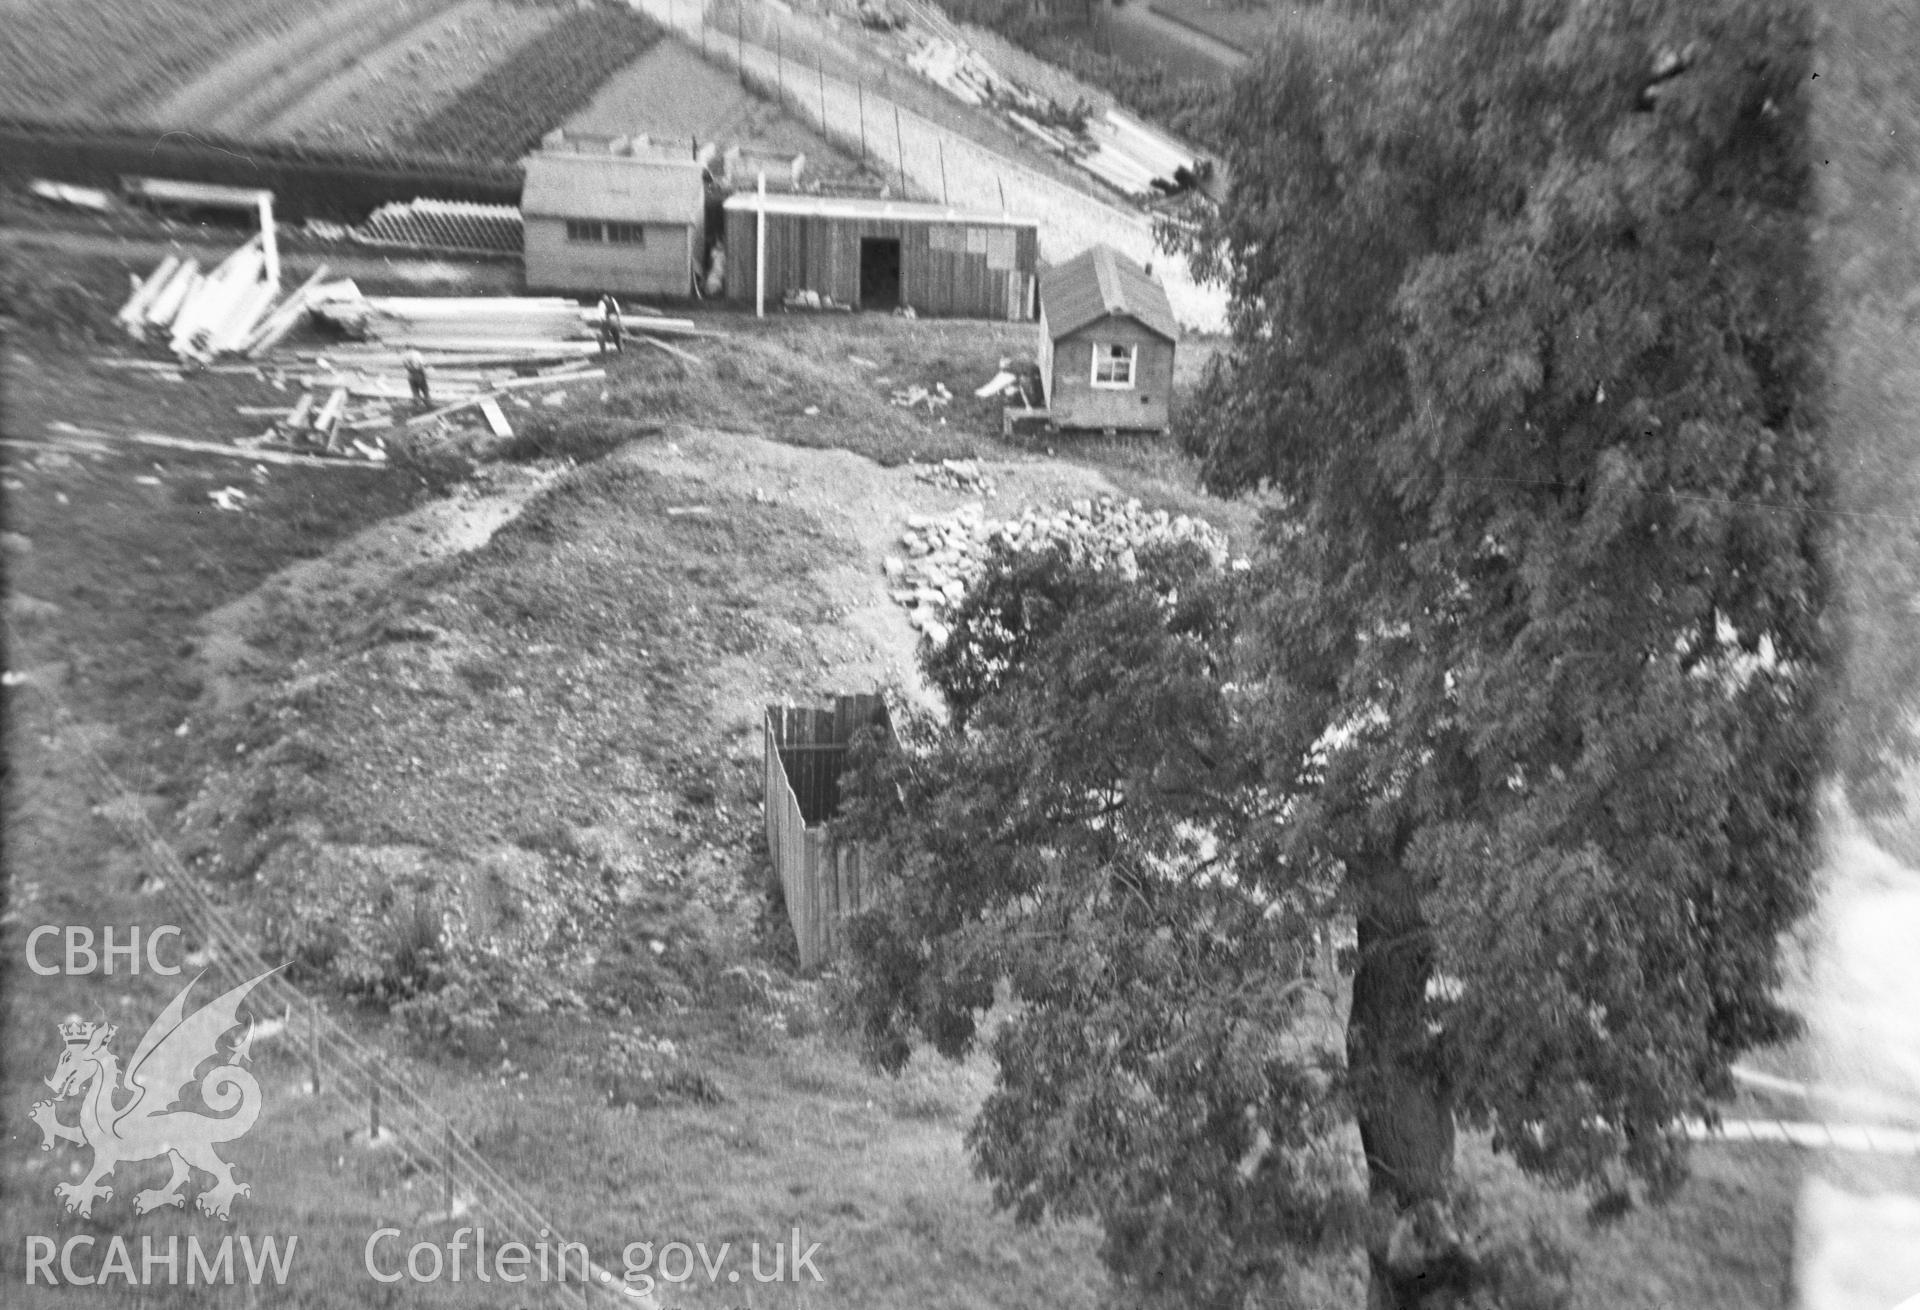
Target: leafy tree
[(1076, 833), (1530, 682), (1526, 346)]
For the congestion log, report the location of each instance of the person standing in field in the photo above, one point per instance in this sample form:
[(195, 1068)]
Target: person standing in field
[(416, 366), (611, 328)]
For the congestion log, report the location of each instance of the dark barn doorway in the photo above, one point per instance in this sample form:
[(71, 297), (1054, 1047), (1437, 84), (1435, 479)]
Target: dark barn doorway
[(880, 273)]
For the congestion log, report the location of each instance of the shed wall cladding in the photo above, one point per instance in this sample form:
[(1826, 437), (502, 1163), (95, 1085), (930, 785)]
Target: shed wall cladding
[(1046, 359), (824, 878), (662, 265), (1076, 402), (955, 270)]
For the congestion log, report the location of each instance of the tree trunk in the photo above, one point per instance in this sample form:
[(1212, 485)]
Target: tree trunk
[(1402, 1101)]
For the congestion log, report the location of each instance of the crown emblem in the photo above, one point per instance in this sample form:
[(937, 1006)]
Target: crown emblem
[(76, 1032)]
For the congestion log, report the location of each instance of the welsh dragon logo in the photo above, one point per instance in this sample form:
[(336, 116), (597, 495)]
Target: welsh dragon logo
[(146, 1124)]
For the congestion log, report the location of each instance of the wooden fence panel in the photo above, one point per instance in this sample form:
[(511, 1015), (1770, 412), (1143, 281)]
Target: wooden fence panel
[(822, 878)]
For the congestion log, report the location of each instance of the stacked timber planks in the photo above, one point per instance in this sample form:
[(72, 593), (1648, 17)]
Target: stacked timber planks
[(478, 325), (203, 315), (1128, 155)]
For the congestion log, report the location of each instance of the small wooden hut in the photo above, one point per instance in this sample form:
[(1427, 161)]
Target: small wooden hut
[(1107, 342)]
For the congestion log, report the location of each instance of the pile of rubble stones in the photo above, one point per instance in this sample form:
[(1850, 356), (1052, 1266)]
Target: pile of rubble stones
[(947, 554), (962, 475)]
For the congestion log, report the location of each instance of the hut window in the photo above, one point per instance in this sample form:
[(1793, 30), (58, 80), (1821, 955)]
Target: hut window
[(1113, 365), (618, 234)]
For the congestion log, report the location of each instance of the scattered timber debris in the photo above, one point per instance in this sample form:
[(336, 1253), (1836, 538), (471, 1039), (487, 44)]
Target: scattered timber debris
[(997, 384), (1123, 151), (805, 298), (936, 397), (475, 351), (79, 197)]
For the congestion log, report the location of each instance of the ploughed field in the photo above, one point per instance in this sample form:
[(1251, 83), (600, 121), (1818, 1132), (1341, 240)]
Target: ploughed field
[(470, 78), (116, 59)]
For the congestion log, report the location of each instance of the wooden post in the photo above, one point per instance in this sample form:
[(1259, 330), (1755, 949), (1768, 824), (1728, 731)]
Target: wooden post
[(313, 1042), (862, 88), (760, 253), (740, 39), (900, 146), (780, 63), (448, 1146), (822, 74), (269, 243), (373, 1109), (941, 142), (1003, 193)]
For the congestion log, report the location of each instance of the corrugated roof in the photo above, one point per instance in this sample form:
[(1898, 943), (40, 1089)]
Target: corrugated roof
[(613, 187), (906, 211), (1100, 282)]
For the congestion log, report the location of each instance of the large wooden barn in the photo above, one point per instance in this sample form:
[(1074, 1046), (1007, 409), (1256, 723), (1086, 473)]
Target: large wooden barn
[(613, 214), (884, 255), (1107, 342)]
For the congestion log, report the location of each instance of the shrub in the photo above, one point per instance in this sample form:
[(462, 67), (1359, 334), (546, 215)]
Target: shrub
[(450, 947)]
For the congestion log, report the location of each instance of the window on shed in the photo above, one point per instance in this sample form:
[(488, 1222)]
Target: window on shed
[(582, 230), (1113, 365), (627, 234)]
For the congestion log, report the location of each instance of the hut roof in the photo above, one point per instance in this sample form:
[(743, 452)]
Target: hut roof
[(1100, 282)]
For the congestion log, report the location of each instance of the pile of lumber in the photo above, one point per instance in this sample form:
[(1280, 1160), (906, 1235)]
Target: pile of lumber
[(484, 325), (202, 315), (336, 425), (1133, 157), (350, 396), (1129, 156), (958, 71)]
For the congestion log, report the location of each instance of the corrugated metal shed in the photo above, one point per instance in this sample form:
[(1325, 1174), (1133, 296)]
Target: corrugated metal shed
[(1100, 283)]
